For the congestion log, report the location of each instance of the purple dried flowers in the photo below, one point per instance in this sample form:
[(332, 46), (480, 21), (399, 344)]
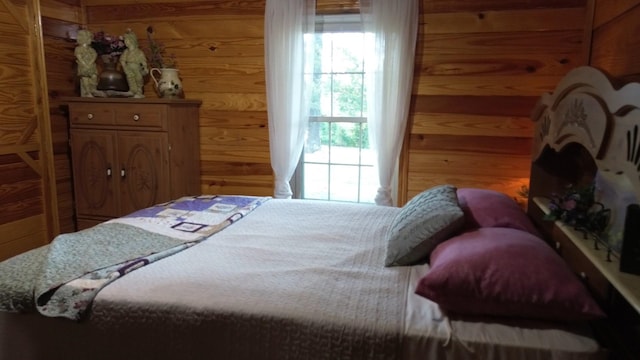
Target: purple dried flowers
[(156, 53), (105, 44), (577, 207)]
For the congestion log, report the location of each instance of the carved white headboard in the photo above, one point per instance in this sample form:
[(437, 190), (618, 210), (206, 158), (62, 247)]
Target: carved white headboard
[(588, 131), (586, 109)]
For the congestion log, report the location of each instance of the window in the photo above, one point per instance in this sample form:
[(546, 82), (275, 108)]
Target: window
[(336, 163)]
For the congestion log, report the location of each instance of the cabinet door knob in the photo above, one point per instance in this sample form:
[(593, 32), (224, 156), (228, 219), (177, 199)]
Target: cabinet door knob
[(122, 173), (108, 172), (136, 117), (89, 116), (558, 245)]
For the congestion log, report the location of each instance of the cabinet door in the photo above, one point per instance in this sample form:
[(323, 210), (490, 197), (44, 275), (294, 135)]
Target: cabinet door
[(144, 170), (93, 158)]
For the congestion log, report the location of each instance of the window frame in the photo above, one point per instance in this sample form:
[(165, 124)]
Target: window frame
[(336, 24)]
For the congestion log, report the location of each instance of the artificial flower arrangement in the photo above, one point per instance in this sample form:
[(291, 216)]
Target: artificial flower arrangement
[(577, 207), (156, 53), (106, 44)]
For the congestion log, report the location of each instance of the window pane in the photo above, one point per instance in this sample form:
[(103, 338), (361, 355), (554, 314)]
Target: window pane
[(321, 95), (347, 95), (345, 138), (316, 181), (347, 52), (345, 134), (323, 52), (367, 154), (317, 136), (336, 149), (368, 184), (344, 183), (367, 157)]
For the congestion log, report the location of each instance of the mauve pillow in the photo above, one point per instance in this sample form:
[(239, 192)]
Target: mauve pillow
[(489, 208), (505, 272)]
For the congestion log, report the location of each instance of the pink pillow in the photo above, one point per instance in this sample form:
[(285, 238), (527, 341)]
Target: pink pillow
[(489, 208), (505, 272)]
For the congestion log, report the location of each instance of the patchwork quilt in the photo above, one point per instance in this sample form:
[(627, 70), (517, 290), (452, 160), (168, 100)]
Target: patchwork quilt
[(62, 278)]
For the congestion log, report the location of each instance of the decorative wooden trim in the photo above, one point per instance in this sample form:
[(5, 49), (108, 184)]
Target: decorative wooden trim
[(28, 131), (41, 102), (31, 162), (14, 149)]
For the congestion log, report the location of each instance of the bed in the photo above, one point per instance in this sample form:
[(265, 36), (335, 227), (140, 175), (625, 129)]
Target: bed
[(296, 279)]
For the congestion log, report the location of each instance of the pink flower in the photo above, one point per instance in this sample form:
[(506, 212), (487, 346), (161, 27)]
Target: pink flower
[(569, 204)]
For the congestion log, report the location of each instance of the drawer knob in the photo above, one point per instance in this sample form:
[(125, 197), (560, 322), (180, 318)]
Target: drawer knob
[(583, 275), (558, 245), (136, 117), (89, 116)]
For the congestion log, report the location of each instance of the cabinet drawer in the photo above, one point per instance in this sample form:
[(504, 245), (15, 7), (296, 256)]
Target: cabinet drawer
[(141, 115), (89, 114)]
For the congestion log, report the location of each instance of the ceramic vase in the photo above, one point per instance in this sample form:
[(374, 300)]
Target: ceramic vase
[(167, 82)]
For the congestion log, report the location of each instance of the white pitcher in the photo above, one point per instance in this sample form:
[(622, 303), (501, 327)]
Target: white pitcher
[(168, 85)]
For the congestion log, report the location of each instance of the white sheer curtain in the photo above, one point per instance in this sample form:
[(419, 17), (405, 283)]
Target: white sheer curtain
[(391, 28), (286, 22)]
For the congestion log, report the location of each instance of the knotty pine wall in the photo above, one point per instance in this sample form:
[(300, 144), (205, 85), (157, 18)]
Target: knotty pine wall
[(479, 70), (616, 38)]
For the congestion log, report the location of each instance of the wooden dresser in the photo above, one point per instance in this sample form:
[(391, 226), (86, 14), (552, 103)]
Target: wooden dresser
[(128, 154)]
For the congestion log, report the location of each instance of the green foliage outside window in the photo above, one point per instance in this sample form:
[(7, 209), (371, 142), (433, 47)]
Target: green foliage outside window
[(345, 92)]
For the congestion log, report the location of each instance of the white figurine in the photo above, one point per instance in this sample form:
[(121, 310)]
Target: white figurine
[(134, 64), (86, 59)]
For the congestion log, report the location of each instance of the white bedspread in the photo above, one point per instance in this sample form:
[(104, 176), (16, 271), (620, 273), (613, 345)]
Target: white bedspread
[(284, 283)]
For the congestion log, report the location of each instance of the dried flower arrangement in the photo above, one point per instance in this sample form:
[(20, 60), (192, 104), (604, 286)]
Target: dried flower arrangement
[(577, 207), (106, 44), (156, 53)]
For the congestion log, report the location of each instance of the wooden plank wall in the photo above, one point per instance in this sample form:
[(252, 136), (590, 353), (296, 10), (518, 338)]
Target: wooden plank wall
[(480, 68), (26, 215), (616, 38)]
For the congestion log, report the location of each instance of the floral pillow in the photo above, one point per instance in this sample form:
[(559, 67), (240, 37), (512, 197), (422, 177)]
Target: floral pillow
[(425, 221), (505, 272)]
